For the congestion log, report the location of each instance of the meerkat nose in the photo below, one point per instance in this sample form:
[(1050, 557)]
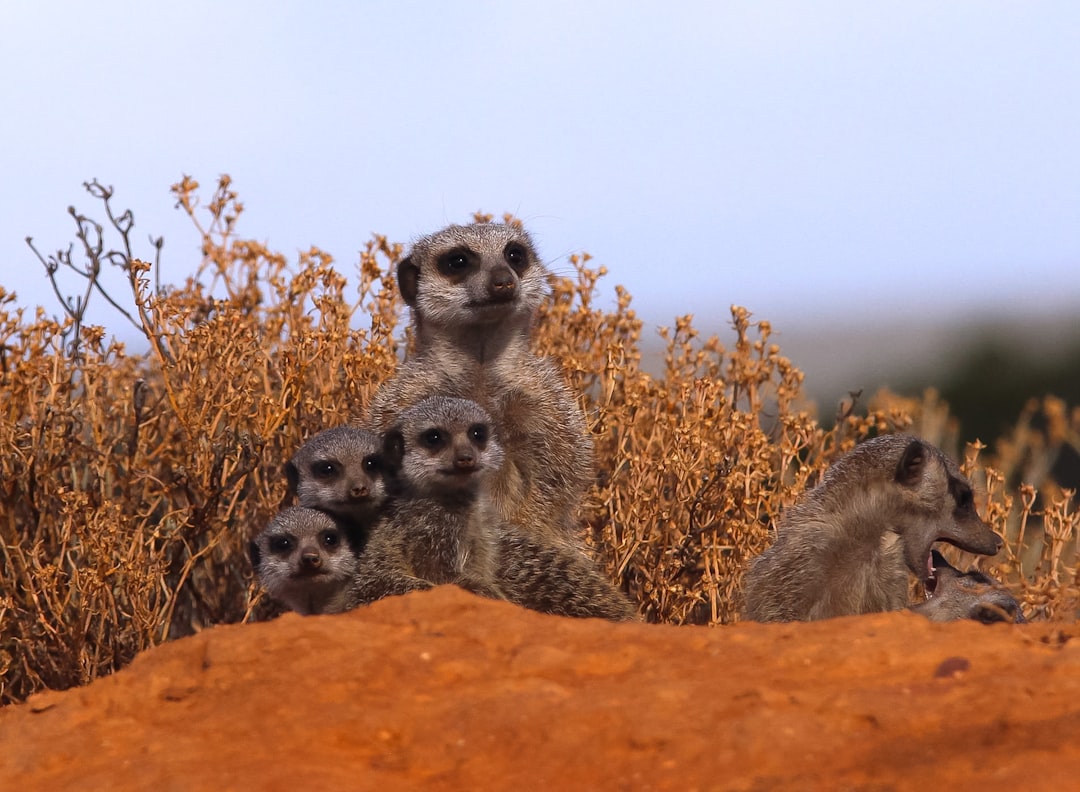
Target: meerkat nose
[(359, 491), (464, 462), (501, 285), (312, 560)]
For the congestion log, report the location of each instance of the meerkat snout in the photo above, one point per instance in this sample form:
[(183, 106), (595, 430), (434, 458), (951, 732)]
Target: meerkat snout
[(502, 285), (465, 453)]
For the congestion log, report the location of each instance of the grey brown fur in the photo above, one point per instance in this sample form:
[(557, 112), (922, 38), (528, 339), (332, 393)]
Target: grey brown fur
[(847, 546), (553, 578), (473, 292), (305, 561), (441, 527), (953, 594)]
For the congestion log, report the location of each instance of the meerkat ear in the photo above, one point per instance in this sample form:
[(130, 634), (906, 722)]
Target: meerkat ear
[(393, 448), (408, 279), (254, 554), (292, 475), (910, 469)]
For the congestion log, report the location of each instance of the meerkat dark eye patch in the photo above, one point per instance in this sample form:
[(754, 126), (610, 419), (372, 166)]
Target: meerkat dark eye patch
[(961, 492), (325, 468), (281, 544), (516, 256), (330, 539), (372, 464), (433, 439), (456, 263), (992, 614), (478, 433), (393, 449)]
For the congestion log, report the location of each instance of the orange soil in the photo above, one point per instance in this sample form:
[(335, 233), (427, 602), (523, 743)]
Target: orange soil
[(450, 691)]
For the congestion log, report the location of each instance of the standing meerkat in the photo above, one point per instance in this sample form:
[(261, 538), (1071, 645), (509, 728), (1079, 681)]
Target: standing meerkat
[(847, 545), (441, 527), (304, 560), (340, 471), (952, 594), (473, 292)]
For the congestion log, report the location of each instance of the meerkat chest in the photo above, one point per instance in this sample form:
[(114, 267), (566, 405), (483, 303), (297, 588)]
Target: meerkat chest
[(436, 540), (886, 578)]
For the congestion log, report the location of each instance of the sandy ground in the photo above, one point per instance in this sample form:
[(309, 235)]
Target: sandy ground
[(444, 690)]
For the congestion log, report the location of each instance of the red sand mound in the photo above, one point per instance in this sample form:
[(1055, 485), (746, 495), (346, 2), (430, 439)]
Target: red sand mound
[(451, 691)]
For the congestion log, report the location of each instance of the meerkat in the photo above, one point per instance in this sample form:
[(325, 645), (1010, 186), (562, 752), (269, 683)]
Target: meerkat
[(304, 560), (847, 545), (952, 594), (340, 471), (473, 293), (340, 467), (441, 527)]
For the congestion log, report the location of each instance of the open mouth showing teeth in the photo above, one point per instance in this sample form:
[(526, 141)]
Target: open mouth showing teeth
[(933, 562)]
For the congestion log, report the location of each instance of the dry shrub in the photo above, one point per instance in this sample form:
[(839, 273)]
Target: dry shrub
[(131, 484)]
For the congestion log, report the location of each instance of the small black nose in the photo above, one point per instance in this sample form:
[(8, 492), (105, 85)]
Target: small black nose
[(311, 560), (465, 462), (358, 492), (501, 284)]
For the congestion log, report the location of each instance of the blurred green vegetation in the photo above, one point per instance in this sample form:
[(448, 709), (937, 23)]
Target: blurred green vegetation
[(991, 385)]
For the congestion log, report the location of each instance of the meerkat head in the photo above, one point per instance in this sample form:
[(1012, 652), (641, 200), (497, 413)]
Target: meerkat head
[(443, 447), (929, 500), (340, 471), (304, 560), (952, 594), (479, 274)]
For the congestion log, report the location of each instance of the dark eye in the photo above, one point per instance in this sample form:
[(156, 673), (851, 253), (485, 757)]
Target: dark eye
[(330, 539), (324, 469), (478, 433), (455, 262), (516, 256), (961, 493), (281, 544), (432, 439), (372, 464)]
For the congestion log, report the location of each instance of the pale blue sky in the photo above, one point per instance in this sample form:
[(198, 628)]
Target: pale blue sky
[(832, 160)]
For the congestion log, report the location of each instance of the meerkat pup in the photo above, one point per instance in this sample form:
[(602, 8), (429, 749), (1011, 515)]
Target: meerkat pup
[(305, 561), (847, 545), (473, 293), (441, 527), (340, 471), (952, 594)]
